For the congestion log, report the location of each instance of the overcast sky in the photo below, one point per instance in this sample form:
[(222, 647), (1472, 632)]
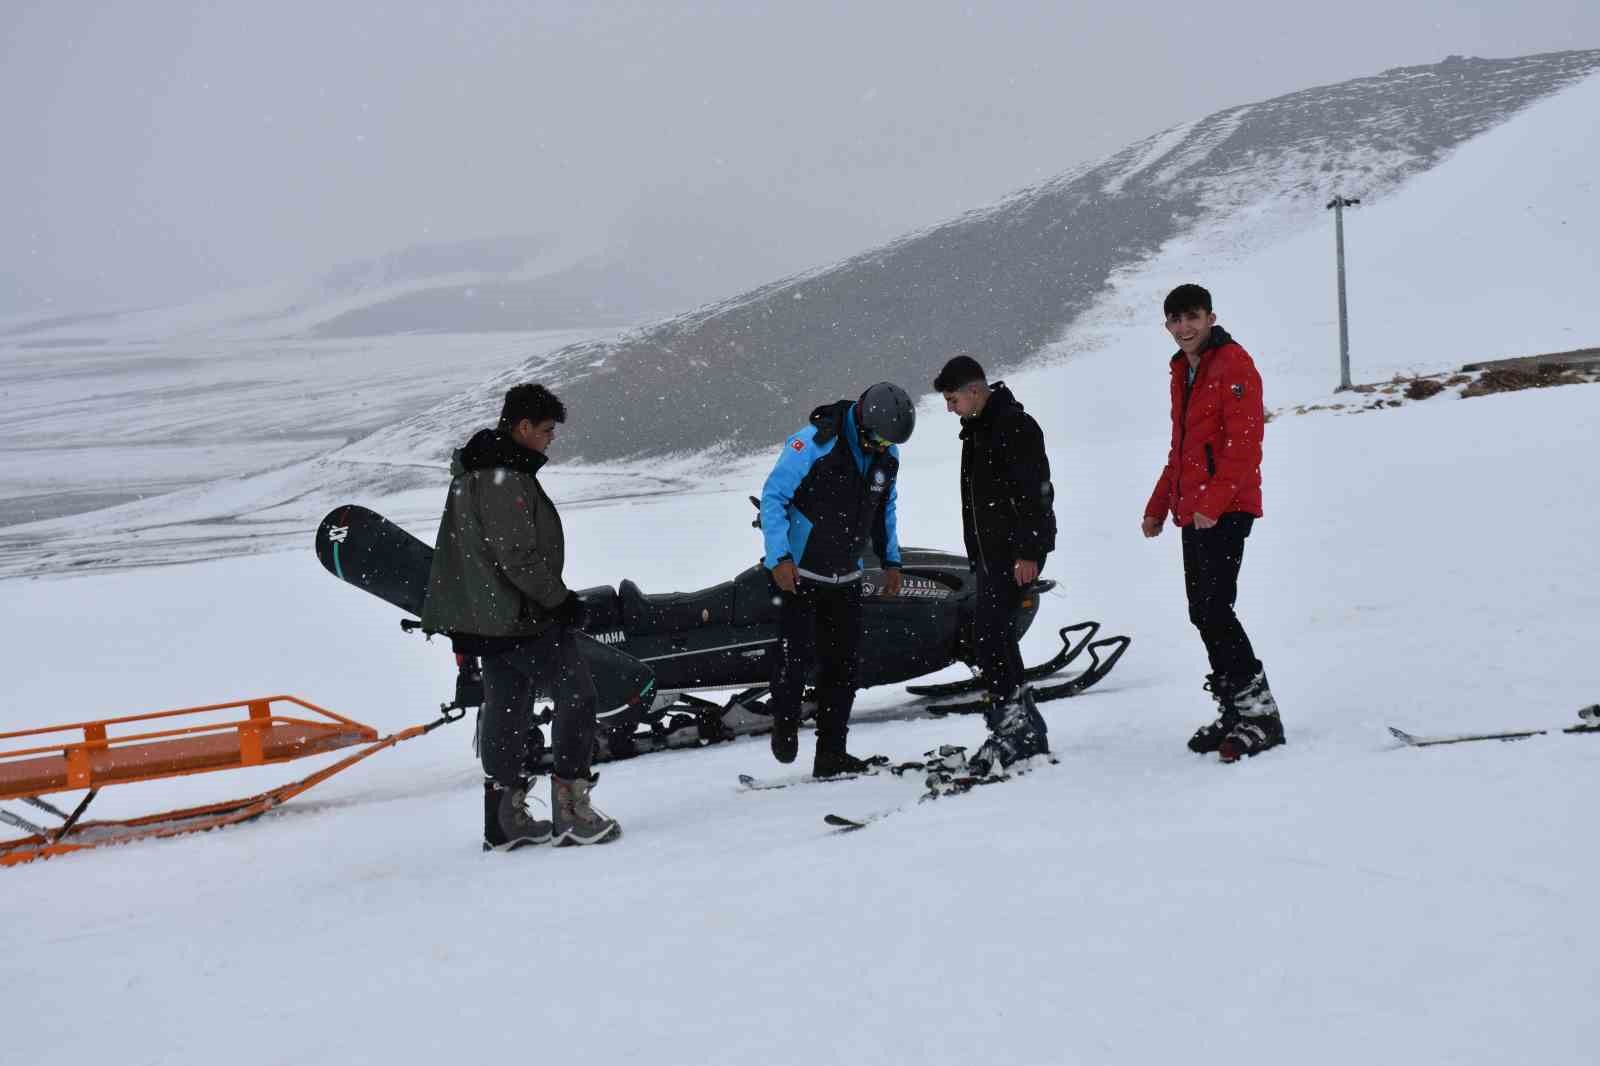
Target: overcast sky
[(156, 151)]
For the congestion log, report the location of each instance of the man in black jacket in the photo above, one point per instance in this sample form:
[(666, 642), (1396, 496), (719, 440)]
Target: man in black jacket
[(1008, 518)]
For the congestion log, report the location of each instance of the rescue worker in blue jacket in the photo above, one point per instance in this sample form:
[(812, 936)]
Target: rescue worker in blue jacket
[(831, 490)]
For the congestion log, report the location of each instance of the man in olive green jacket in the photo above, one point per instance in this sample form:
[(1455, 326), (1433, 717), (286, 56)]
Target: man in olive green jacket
[(496, 588)]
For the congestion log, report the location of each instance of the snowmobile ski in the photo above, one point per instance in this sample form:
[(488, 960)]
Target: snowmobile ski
[(1070, 650), (1591, 724), (1098, 669)]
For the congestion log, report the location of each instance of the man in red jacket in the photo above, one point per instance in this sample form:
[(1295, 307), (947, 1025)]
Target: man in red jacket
[(1211, 486)]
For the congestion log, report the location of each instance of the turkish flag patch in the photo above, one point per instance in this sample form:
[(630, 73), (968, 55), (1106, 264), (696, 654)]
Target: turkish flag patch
[(798, 445), (1238, 392)]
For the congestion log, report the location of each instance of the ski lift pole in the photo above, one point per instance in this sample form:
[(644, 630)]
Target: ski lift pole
[(1337, 205)]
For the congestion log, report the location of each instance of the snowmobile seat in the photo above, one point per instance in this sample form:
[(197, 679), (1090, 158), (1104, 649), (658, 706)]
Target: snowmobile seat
[(671, 612), (755, 598), (603, 608)]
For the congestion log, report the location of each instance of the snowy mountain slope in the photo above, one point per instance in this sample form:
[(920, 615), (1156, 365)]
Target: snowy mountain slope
[(87, 426), (1419, 279), (1006, 281), (239, 383), (290, 308)]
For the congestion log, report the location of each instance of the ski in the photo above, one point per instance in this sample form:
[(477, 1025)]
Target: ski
[(846, 825), (1590, 716), (947, 776), (877, 765)]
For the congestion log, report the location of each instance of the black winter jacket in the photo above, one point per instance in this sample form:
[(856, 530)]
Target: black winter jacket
[(1007, 500)]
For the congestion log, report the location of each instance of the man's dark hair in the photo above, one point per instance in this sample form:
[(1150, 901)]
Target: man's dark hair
[(960, 371), (1187, 298), (533, 402)]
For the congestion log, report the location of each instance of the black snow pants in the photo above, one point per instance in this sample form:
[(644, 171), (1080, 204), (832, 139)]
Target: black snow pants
[(994, 632), (549, 662), (820, 624), (1211, 559)]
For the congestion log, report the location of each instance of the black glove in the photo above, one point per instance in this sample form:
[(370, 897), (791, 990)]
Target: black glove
[(570, 611)]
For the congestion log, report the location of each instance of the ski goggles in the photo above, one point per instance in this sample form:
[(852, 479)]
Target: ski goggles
[(873, 440)]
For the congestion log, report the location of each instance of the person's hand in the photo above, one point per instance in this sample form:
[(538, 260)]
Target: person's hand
[(891, 581), (784, 575), (1023, 571), (1154, 524), (570, 611), (1203, 521)]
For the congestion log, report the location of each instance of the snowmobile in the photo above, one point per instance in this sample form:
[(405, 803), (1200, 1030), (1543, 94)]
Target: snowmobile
[(655, 658)]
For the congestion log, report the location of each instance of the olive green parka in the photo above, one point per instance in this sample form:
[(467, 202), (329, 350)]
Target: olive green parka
[(498, 557)]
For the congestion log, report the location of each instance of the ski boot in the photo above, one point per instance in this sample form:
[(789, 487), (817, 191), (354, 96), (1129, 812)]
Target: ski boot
[(1208, 738), (1016, 732), (841, 763), (832, 758), (576, 821), (507, 825), (1257, 726)]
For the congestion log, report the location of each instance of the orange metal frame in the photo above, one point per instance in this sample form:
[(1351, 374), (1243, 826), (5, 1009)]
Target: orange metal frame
[(92, 755)]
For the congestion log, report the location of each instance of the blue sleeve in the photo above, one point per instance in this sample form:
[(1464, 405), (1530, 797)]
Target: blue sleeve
[(791, 468), (891, 525), (886, 531)]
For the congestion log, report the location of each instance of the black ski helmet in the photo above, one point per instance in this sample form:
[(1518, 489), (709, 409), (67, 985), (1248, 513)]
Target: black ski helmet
[(886, 410)]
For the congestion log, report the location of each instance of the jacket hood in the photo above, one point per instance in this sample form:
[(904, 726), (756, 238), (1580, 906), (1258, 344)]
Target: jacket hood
[(835, 416), (490, 449), (1001, 403), (839, 419), (1218, 338)]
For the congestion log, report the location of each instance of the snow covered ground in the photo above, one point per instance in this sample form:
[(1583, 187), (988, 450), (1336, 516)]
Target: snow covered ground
[(1337, 901)]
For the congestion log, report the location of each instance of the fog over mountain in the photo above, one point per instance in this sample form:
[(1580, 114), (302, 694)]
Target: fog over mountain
[(226, 427), (1004, 281)]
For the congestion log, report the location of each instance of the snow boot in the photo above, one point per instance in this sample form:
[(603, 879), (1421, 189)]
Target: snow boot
[(785, 738), (507, 825), (1257, 726), (577, 822), (1016, 732), (1208, 738)]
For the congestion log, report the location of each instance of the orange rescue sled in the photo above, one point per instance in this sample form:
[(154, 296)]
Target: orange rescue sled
[(147, 747)]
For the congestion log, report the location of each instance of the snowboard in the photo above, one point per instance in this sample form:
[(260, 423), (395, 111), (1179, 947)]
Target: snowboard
[(362, 548)]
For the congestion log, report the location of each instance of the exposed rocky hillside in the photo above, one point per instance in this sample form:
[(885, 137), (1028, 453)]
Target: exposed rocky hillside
[(1004, 281)]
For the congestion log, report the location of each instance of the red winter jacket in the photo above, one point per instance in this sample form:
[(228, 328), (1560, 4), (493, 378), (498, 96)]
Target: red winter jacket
[(1215, 463)]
